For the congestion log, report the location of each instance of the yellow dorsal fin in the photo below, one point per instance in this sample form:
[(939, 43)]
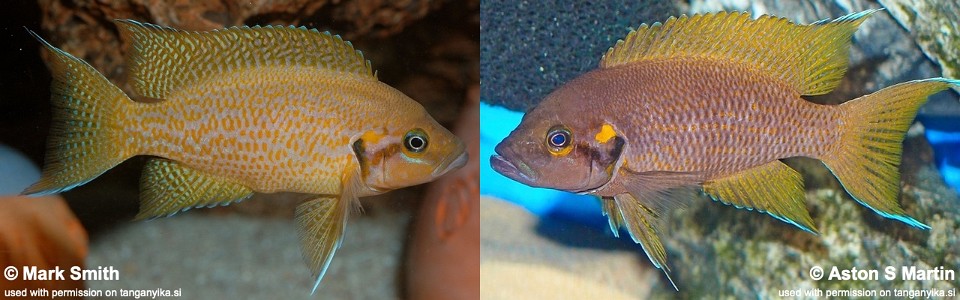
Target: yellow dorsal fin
[(812, 58), (163, 59)]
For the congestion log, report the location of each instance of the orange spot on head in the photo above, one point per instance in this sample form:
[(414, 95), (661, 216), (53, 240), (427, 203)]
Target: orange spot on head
[(371, 137), (606, 133)]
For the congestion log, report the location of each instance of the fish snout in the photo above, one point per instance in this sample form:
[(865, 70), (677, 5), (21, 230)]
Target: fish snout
[(451, 163), (507, 163), (499, 149)]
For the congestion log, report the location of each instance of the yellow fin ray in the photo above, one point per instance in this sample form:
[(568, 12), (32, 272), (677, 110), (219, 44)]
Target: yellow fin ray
[(168, 187), (321, 223), (773, 188), (644, 224), (163, 59), (614, 218), (320, 226), (86, 137), (867, 157), (811, 58), (644, 209)]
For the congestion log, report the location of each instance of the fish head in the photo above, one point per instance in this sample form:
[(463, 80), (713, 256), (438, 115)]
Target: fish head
[(558, 146), (414, 150)]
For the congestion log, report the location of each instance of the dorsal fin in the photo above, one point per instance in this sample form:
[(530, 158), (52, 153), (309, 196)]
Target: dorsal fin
[(162, 59), (812, 58)]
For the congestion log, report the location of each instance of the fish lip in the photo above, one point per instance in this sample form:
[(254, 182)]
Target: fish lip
[(510, 170), (451, 164)]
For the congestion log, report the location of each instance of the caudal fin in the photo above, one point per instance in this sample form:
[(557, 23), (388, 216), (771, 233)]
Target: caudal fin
[(868, 156), (86, 138)]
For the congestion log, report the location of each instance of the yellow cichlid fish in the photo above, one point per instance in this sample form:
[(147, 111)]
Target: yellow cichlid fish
[(244, 110), (712, 103)]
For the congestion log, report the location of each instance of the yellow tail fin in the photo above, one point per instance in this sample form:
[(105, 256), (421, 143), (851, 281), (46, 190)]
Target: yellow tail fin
[(868, 157), (85, 137)]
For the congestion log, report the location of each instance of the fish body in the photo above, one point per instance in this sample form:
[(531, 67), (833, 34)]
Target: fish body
[(711, 103), (735, 120), (244, 110), (274, 138)]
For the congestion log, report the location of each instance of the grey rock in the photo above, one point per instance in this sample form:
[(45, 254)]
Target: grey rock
[(935, 25)]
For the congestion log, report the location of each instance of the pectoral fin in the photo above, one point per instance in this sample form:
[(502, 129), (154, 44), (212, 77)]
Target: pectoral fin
[(168, 187), (614, 218), (772, 188), (646, 206), (320, 226), (643, 224)]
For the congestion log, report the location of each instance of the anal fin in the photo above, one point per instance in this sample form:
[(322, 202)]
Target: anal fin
[(168, 187), (773, 188)]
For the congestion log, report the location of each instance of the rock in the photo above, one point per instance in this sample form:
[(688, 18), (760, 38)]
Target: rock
[(443, 255), (935, 26), (719, 250), (40, 232), (36, 232)]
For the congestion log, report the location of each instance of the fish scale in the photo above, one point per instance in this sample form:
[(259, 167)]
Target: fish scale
[(226, 118), (716, 126)]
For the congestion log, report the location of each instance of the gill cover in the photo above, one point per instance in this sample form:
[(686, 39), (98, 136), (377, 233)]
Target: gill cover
[(605, 152)]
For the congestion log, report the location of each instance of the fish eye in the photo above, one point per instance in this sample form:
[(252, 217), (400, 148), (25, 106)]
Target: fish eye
[(415, 141), (558, 137)]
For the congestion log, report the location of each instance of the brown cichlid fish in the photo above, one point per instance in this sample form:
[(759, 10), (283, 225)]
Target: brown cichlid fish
[(244, 110), (712, 103)]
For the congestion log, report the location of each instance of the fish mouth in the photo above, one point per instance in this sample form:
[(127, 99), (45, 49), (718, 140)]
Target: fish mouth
[(451, 164), (512, 171)]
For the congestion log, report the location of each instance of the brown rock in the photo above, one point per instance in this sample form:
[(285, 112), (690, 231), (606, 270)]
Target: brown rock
[(40, 232), (444, 252)]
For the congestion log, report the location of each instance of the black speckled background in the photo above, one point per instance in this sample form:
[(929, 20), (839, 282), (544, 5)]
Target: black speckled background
[(528, 48)]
